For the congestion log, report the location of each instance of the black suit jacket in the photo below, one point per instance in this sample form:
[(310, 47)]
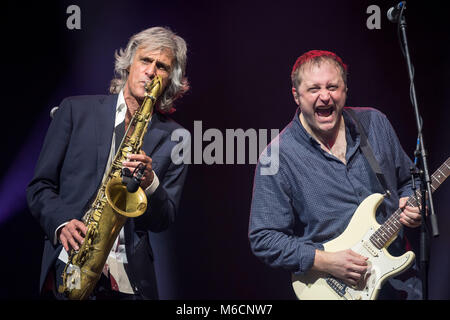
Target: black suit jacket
[(70, 169)]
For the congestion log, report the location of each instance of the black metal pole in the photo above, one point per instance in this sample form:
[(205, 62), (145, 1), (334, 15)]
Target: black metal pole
[(423, 153), (425, 185)]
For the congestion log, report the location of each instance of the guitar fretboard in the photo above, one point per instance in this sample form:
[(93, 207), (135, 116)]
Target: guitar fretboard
[(392, 225)]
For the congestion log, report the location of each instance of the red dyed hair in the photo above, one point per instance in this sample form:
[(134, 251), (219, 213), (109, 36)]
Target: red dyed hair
[(317, 56)]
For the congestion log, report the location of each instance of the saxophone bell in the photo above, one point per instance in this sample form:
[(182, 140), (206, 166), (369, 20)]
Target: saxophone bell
[(123, 202)]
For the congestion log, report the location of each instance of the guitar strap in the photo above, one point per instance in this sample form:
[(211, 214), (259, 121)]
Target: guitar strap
[(368, 153)]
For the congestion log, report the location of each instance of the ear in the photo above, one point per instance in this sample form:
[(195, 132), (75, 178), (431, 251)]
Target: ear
[(296, 97)]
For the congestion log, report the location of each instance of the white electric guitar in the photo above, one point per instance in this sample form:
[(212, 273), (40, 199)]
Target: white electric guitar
[(364, 236)]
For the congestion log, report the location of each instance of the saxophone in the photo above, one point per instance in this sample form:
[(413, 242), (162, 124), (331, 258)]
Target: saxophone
[(110, 209)]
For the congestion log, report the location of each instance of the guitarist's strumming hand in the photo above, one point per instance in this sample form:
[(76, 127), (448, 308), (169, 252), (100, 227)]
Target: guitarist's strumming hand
[(410, 216), (345, 265)]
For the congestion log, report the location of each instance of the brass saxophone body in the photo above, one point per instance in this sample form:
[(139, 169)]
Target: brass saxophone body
[(110, 209)]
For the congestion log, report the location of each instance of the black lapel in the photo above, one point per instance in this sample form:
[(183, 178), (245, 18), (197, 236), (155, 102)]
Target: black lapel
[(155, 135), (104, 109)]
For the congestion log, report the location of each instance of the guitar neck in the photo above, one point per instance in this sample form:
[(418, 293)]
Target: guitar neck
[(392, 225)]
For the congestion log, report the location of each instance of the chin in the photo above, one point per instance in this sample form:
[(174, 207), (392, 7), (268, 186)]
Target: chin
[(327, 127), (138, 94)]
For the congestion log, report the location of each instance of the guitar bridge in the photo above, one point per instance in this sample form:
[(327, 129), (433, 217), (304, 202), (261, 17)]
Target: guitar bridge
[(338, 286)]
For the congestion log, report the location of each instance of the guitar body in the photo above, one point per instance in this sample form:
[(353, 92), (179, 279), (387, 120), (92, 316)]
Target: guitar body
[(382, 265)]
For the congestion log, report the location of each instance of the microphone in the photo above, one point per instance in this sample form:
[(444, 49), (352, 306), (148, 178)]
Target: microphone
[(394, 12), (135, 181), (53, 111)]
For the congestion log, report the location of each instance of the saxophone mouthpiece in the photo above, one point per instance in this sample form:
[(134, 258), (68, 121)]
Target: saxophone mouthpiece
[(153, 87)]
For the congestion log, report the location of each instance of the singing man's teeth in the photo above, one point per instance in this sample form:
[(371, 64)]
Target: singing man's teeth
[(324, 112)]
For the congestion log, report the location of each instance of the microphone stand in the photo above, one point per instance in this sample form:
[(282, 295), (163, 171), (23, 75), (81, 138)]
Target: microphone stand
[(420, 162)]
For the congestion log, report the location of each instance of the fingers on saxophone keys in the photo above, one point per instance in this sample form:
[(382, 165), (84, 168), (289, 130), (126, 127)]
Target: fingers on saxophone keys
[(133, 161), (64, 243), (69, 241), (73, 234)]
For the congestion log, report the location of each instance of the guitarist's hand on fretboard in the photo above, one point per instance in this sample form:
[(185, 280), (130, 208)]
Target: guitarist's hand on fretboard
[(410, 217)]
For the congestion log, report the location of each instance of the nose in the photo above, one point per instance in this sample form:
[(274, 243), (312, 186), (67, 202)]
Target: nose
[(325, 96), (150, 71)]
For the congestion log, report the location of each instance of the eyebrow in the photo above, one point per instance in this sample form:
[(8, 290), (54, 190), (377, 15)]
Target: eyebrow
[(313, 84), (166, 66), (158, 63)]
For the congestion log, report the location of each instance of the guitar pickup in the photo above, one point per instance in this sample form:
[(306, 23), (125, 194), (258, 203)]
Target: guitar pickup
[(370, 248)]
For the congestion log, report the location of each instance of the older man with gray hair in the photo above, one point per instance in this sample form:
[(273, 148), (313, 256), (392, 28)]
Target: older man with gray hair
[(78, 149)]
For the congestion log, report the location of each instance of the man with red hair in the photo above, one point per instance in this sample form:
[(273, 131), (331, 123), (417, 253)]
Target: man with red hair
[(323, 176)]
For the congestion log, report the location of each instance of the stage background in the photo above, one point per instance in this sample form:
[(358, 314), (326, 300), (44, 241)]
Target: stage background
[(239, 62)]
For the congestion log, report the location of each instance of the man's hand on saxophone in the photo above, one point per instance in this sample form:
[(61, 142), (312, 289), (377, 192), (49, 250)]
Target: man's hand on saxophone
[(72, 234), (134, 160)]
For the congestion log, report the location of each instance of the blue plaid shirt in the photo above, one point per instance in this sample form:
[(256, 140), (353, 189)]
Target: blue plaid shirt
[(312, 197)]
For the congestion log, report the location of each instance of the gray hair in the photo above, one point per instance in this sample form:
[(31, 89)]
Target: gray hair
[(153, 39)]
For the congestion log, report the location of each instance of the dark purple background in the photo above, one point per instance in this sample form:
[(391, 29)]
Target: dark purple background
[(239, 62)]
